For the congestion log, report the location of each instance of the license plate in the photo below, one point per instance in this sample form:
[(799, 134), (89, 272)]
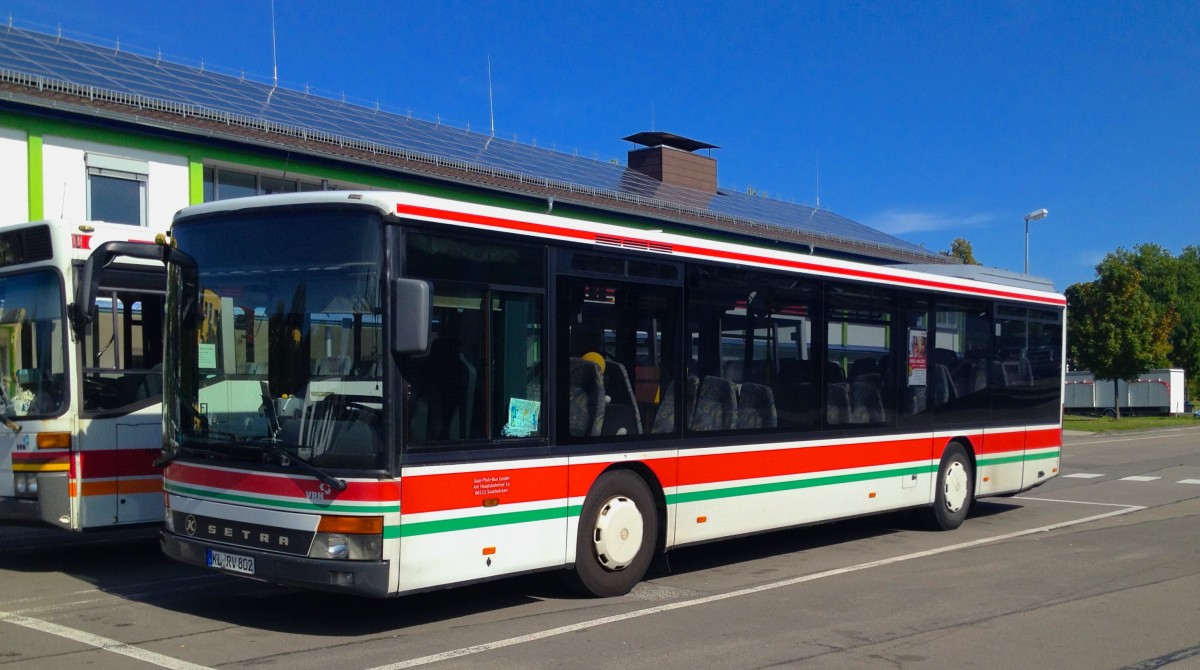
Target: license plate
[(231, 562)]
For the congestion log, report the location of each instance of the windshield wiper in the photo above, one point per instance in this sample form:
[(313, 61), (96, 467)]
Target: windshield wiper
[(286, 458)]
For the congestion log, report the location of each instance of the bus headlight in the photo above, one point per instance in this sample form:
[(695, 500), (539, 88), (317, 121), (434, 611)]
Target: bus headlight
[(348, 538), (26, 484), (168, 518), (347, 547)]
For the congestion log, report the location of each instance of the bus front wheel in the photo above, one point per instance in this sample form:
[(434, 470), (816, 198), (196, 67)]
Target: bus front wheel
[(618, 530), (955, 489)]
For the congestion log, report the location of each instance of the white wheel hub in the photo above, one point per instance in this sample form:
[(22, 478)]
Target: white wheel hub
[(618, 533), (956, 486)]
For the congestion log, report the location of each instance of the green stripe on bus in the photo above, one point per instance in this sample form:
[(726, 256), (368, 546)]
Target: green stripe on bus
[(303, 506), (489, 520), (774, 487), (475, 522)]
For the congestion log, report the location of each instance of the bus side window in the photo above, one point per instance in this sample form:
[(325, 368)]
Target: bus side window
[(625, 332), (481, 380)]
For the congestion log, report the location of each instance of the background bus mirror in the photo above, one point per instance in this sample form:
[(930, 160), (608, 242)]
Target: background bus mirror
[(412, 309)]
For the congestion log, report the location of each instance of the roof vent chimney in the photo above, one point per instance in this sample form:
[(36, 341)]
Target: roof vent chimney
[(669, 159)]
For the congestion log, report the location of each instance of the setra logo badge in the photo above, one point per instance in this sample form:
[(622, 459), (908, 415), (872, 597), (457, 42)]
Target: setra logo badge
[(189, 525)]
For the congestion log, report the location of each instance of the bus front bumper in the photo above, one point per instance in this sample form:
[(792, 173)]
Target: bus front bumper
[(20, 510), (364, 578)]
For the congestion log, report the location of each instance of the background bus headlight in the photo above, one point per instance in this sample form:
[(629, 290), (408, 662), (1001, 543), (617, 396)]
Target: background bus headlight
[(26, 484)]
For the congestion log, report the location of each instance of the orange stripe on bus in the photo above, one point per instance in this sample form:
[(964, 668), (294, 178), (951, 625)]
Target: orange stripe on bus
[(126, 487)]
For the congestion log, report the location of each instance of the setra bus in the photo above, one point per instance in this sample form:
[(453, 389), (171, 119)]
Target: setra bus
[(383, 393), (81, 401)]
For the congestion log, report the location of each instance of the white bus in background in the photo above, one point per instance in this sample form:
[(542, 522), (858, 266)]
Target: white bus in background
[(1153, 392), (81, 402)]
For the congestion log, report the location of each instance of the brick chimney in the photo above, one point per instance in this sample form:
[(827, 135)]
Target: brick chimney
[(670, 159)]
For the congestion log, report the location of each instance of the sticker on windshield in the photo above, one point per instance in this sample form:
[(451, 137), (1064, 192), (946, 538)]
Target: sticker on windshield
[(522, 417), (208, 356)]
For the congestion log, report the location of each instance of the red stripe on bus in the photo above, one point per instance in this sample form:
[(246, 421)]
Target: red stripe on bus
[(286, 486), (995, 443), (1042, 439), (430, 493), (715, 468), (557, 231), (109, 463)]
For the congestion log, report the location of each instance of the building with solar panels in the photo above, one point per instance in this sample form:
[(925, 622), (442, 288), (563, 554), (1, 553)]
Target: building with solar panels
[(95, 132)]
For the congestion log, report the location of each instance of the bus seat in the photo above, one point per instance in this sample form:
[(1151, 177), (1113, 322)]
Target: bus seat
[(756, 407), (716, 405), (863, 366), (734, 371), (664, 416), (621, 414), (997, 375), (585, 399), (912, 400), (443, 394), (834, 373), (837, 403), (866, 402), (941, 386)]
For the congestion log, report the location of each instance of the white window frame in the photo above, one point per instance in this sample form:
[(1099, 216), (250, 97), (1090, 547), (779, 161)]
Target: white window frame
[(116, 167)]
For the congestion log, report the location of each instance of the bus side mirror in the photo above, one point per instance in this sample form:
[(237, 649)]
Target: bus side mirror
[(84, 309), (412, 311)]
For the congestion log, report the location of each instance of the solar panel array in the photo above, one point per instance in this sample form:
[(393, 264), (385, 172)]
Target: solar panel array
[(29, 54)]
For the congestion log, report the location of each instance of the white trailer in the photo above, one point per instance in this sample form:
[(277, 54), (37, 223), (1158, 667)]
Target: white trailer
[(1154, 392)]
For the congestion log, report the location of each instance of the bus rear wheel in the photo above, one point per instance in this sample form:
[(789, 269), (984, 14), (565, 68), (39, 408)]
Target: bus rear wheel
[(955, 489), (618, 530)]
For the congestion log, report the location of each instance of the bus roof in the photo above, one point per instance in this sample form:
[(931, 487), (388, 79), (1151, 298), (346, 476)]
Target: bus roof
[(963, 279)]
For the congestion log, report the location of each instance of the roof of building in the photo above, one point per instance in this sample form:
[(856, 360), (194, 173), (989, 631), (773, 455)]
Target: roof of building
[(47, 70)]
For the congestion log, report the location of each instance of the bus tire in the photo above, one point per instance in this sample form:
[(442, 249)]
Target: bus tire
[(955, 489), (618, 531)]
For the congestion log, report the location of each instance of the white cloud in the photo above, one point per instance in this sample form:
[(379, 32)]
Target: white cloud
[(901, 222)]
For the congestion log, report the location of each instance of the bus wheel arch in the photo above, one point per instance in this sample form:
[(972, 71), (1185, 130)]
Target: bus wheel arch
[(619, 533), (954, 487)]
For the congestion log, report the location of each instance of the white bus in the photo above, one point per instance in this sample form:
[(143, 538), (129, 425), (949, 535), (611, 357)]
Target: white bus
[(383, 393), (82, 408)]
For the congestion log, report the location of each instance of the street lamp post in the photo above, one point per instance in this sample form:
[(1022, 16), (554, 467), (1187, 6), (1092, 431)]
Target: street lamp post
[(1032, 216)]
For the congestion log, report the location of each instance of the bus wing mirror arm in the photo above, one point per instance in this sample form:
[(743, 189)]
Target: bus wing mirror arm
[(412, 311), (84, 309)]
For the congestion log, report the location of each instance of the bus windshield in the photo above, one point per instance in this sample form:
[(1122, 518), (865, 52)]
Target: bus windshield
[(32, 344), (288, 344)]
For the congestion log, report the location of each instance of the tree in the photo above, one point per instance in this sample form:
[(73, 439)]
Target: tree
[(1115, 330), (1173, 284), (961, 249)]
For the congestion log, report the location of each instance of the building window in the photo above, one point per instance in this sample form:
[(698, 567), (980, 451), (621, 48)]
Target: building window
[(226, 184), (116, 189)]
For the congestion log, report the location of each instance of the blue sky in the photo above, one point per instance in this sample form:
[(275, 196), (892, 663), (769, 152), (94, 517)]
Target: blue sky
[(929, 120)]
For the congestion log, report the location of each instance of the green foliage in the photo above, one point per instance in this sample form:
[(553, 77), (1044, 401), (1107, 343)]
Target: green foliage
[(961, 249), (1115, 329), (1173, 284)]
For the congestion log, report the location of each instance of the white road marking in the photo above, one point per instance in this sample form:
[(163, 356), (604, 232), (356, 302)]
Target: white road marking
[(562, 630), (1082, 475), (1139, 478), (1189, 481), (100, 642)]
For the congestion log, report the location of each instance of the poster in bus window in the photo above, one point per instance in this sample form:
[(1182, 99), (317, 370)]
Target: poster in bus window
[(916, 357)]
